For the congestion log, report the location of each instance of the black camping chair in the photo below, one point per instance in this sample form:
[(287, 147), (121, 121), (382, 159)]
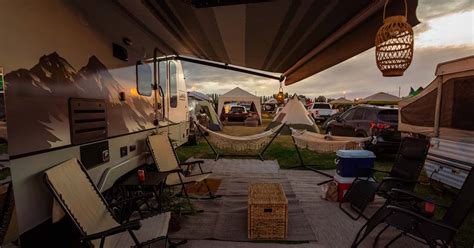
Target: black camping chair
[(404, 175), (6, 211), (415, 223)]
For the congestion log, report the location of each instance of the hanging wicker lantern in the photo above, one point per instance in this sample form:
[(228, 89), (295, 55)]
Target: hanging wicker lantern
[(280, 97), (394, 44)]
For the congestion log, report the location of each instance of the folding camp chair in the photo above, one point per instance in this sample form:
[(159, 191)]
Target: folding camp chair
[(7, 206), (413, 221), (81, 200), (166, 160), (404, 175)]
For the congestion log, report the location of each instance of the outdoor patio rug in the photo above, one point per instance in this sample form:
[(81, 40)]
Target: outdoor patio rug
[(225, 218), (200, 188)]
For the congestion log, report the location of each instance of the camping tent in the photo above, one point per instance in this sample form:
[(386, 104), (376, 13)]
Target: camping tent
[(380, 98), (194, 98), (444, 108), (199, 96), (239, 95), (295, 115), (214, 121)]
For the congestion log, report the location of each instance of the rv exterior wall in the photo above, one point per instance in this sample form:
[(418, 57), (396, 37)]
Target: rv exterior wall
[(50, 55)]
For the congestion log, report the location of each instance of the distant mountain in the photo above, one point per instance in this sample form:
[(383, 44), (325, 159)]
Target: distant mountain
[(38, 101)]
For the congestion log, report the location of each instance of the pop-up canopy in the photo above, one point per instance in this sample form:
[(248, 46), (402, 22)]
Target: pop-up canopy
[(445, 107), (294, 38), (239, 95), (380, 98)]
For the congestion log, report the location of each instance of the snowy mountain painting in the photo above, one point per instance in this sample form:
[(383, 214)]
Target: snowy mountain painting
[(37, 101)]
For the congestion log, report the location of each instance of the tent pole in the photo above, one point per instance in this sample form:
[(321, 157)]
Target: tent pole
[(271, 141), (438, 107), (207, 141)]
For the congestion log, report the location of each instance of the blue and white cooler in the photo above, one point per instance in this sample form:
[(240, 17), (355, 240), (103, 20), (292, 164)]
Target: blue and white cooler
[(349, 165), (354, 163)]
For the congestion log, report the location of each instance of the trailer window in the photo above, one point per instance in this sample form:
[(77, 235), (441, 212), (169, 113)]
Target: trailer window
[(162, 77), (144, 79), (173, 86)]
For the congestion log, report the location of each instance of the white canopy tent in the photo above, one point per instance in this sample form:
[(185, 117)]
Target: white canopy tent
[(380, 98), (239, 95)]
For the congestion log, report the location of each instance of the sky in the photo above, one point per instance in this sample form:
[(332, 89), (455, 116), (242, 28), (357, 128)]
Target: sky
[(446, 32)]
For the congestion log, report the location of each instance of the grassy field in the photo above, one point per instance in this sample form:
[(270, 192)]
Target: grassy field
[(284, 152)]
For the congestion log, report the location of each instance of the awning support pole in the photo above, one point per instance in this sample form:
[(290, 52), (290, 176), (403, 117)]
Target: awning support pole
[(229, 67)]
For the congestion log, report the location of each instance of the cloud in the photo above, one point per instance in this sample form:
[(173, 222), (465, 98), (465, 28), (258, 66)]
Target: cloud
[(360, 77), (430, 9), (446, 33)]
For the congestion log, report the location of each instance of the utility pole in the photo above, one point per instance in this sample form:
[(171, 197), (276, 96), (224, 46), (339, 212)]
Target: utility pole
[(399, 90)]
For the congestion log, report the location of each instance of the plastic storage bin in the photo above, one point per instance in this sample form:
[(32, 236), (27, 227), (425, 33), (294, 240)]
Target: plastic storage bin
[(353, 163)]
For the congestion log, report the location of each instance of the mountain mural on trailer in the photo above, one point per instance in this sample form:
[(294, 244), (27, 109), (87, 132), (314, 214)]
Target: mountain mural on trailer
[(37, 100)]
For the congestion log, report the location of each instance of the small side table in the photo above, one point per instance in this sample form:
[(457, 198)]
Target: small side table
[(154, 182)]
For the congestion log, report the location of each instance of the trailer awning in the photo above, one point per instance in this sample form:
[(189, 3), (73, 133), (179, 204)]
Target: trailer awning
[(295, 38)]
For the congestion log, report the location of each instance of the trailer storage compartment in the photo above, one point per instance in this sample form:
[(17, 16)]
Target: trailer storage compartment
[(449, 162)]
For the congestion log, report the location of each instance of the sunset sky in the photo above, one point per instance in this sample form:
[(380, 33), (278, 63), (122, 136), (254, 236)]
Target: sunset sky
[(446, 32)]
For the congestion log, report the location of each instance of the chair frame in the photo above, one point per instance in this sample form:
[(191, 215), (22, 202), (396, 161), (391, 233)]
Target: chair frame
[(393, 208), (380, 184), (86, 238), (7, 211), (186, 172)]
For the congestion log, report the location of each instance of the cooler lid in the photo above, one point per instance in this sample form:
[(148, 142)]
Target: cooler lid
[(355, 154)]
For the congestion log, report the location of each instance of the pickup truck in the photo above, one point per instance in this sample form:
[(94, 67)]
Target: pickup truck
[(321, 111)]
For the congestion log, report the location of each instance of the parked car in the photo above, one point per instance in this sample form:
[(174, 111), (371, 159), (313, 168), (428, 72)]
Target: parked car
[(367, 120), (237, 113), (321, 111)]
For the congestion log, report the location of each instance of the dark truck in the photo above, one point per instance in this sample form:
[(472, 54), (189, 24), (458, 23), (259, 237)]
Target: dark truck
[(367, 120)]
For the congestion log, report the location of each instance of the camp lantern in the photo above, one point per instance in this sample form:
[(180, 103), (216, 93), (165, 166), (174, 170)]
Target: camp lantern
[(394, 44), (280, 97)]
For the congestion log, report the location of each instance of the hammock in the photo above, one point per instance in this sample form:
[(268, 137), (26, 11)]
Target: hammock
[(253, 142), (326, 143)]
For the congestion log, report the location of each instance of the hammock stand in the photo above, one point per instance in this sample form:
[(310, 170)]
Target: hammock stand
[(306, 166), (219, 155)]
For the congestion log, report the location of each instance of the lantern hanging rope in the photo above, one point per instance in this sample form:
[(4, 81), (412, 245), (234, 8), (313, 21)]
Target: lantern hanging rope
[(280, 97), (394, 44)]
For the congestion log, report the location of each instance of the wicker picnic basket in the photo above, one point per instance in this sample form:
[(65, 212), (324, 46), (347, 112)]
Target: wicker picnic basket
[(267, 212)]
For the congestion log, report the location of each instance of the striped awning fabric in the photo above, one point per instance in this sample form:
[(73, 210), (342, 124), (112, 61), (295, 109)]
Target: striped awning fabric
[(296, 38)]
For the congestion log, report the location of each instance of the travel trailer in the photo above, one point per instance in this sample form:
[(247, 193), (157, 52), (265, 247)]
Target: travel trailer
[(442, 112), (92, 79)]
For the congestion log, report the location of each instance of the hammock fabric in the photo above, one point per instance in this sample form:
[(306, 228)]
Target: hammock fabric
[(253, 143), (326, 143)]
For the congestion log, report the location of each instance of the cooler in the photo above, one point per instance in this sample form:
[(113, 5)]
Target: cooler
[(343, 184), (350, 162)]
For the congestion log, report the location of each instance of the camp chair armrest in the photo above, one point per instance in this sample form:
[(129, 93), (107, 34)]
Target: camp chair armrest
[(174, 171), (133, 225), (196, 174), (421, 217), (188, 171), (398, 179), (417, 197), (192, 162)]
